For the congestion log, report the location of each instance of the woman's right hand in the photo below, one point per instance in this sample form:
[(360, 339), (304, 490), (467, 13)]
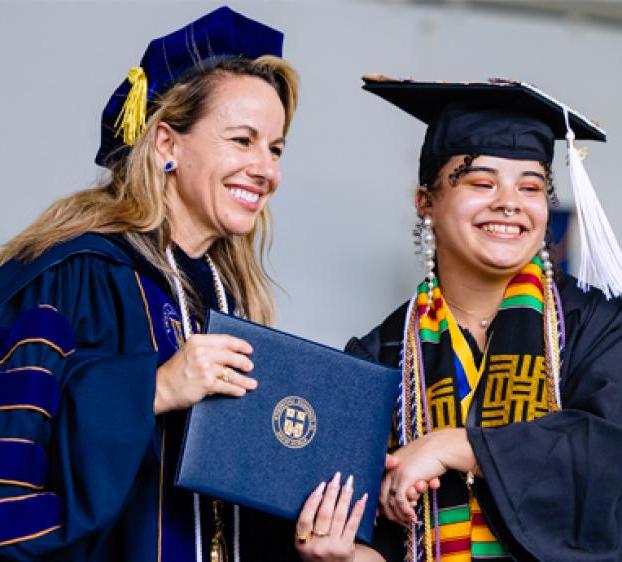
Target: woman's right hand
[(206, 364), (324, 532)]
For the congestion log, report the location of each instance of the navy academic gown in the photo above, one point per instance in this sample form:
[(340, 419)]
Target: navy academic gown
[(552, 487), (86, 469)]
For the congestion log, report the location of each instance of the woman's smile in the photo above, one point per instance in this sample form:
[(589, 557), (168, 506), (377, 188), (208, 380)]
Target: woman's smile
[(502, 230), (246, 195)]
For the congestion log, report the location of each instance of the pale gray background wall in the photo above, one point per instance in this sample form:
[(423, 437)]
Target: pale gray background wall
[(343, 212)]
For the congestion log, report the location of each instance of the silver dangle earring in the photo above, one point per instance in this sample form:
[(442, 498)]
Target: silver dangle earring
[(547, 265), (169, 166), (428, 244)]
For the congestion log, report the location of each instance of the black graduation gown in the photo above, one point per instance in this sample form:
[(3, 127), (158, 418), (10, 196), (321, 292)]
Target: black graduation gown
[(82, 478), (552, 487)]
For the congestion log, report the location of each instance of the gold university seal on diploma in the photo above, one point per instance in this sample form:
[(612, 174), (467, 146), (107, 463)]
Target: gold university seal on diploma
[(294, 422)]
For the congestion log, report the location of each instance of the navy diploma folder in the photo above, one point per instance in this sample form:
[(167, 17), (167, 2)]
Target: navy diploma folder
[(316, 411)]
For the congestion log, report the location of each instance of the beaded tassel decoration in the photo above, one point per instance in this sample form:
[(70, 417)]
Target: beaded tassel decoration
[(552, 319), (410, 404), (429, 249)]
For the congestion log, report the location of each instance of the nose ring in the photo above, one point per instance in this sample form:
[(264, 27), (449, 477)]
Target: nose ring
[(509, 211)]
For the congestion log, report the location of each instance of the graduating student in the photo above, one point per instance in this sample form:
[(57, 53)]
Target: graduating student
[(512, 377), (102, 297)]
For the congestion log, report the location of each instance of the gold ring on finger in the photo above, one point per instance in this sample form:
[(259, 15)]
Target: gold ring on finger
[(319, 534), (224, 375), (304, 537)]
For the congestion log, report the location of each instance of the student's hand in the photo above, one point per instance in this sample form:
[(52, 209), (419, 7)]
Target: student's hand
[(414, 492), (206, 364), (418, 466), (324, 532)]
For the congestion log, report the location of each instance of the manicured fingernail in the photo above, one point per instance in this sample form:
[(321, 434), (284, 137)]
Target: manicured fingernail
[(320, 489), (349, 482), (364, 498), (336, 479)]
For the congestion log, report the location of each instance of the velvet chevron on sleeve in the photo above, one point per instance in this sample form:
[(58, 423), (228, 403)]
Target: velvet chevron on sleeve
[(86, 469), (77, 377)]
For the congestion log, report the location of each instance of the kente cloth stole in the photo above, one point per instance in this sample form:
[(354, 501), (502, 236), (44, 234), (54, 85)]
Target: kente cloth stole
[(443, 387)]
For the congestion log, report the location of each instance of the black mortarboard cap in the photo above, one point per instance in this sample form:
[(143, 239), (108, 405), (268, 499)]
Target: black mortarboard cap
[(515, 120), (174, 57), (497, 118)]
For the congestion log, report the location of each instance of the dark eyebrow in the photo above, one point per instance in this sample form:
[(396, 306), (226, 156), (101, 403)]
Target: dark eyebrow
[(535, 175), (470, 169), (254, 133), (495, 172)]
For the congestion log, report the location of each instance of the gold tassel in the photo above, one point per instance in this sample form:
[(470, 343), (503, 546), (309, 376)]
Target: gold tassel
[(131, 119), (218, 549), (218, 544)]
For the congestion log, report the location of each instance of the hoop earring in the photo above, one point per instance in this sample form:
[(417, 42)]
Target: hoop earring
[(428, 243), (169, 166)]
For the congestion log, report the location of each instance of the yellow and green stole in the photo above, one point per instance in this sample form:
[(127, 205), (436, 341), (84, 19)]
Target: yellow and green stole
[(444, 387)]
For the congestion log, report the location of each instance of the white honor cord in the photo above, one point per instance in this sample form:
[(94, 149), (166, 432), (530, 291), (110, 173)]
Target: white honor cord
[(412, 307), (181, 296), (187, 327), (236, 533), (220, 289)]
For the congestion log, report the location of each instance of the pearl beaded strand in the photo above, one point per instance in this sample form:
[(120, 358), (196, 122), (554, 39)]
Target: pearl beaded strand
[(429, 251)]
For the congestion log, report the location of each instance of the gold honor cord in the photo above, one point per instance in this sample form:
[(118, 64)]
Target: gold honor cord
[(413, 366), (218, 544), (551, 345)]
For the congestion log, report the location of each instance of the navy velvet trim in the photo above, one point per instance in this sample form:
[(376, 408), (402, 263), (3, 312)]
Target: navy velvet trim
[(27, 517), (165, 319), (42, 324), (177, 523), (23, 463), (30, 390)]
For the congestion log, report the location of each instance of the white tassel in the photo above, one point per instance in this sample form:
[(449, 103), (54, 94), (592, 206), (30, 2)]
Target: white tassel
[(600, 254)]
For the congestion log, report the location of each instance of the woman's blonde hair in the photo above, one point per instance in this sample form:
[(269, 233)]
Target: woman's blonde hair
[(132, 202)]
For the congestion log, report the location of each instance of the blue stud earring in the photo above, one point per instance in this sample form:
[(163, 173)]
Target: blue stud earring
[(169, 166)]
